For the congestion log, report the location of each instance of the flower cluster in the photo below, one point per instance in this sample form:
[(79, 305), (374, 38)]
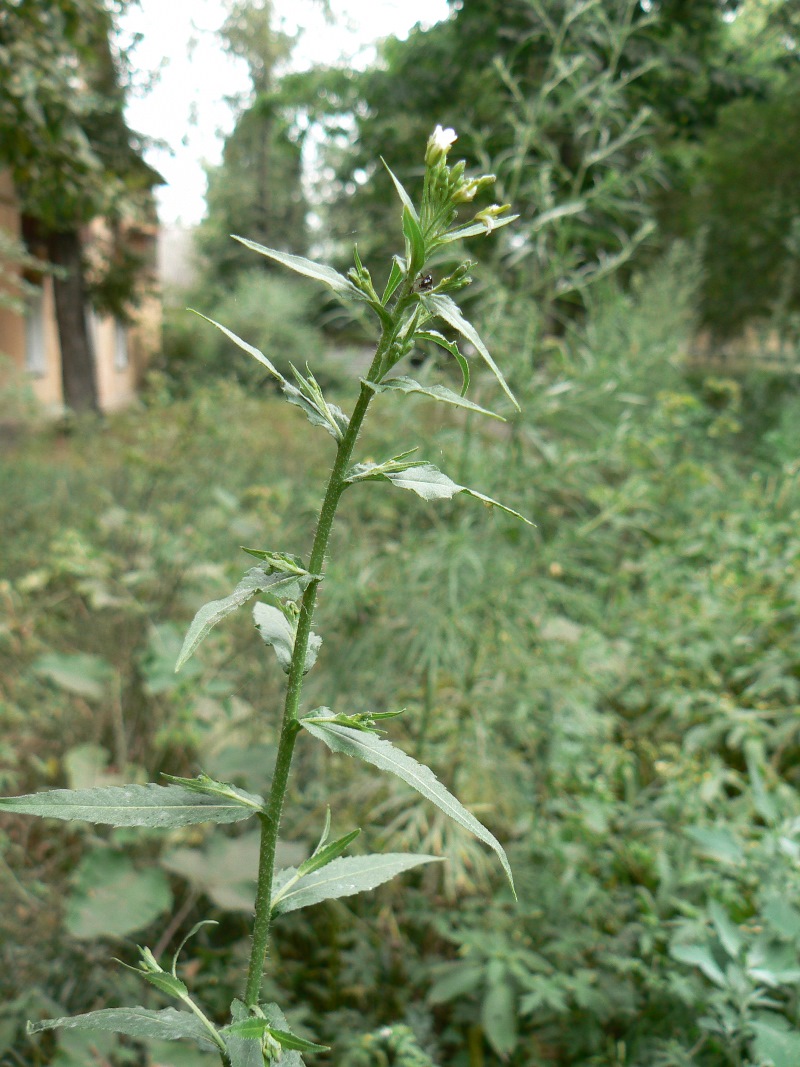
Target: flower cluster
[(447, 187)]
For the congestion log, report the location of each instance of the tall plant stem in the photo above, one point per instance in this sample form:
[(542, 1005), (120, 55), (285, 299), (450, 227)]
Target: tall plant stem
[(270, 820)]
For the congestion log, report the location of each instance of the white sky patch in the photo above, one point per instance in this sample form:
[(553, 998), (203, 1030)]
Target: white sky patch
[(188, 108)]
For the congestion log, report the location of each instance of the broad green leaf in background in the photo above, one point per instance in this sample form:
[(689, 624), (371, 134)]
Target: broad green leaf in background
[(775, 1041), (762, 801), (499, 1014), (727, 931), (782, 917), (134, 805), (718, 842), (166, 1024), (382, 754), (255, 581), (426, 481), (447, 309), (79, 673), (700, 956), (250, 764), (773, 964), (86, 767), (437, 392), (111, 898), (341, 878), (166, 1054), (157, 662), (279, 632), (77, 1048), (225, 868), (340, 285), (456, 981)]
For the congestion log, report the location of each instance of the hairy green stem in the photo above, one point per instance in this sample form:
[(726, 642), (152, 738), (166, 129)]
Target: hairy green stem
[(270, 819)]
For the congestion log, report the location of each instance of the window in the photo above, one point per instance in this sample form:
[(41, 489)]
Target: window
[(120, 345), (35, 355)]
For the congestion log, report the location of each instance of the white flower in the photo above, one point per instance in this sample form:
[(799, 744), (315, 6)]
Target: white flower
[(439, 144), (443, 139)]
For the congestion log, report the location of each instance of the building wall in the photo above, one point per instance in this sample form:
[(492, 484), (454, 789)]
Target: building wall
[(45, 383), (30, 342)]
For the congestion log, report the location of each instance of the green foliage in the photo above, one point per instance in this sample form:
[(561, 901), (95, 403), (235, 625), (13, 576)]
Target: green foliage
[(14, 261), (543, 93), (275, 314), (616, 705), (62, 129), (745, 202), (258, 1032), (363, 744), (257, 191)]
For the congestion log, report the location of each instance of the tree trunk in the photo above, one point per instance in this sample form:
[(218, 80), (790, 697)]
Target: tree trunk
[(77, 358)]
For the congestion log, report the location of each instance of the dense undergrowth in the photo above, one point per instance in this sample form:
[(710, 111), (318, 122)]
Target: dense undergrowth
[(622, 684)]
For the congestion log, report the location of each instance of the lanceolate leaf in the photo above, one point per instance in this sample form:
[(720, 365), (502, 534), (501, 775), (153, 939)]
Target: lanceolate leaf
[(416, 242), (318, 271), (342, 878), (447, 309), (396, 275), (452, 348), (366, 471), (245, 1051), (130, 805), (327, 415), (408, 203), (254, 1029), (279, 561), (308, 396), (426, 481), (475, 228), (166, 1025), (242, 1051), (327, 854), (208, 786), (386, 757), (276, 1019), (256, 353), (276, 630), (437, 392), (256, 580)]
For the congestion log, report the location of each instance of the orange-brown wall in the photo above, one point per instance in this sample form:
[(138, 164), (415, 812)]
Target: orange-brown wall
[(116, 387)]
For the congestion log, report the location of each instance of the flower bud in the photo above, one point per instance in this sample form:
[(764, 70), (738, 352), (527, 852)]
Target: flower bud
[(148, 962), (470, 189), (489, 214), (439, 144)]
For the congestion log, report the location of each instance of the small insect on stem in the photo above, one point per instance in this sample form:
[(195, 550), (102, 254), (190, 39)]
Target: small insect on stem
[(423, 283)]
